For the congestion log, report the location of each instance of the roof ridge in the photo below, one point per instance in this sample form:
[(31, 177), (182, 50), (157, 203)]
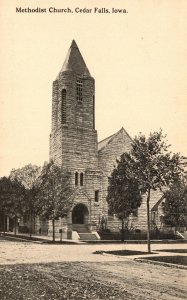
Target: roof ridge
[(106, 138), (122, 128)]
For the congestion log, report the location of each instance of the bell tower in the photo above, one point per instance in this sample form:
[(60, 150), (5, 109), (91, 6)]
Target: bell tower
[(73, 139)]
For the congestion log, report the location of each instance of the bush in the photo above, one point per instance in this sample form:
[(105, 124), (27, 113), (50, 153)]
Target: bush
[(107, 235), (135, 235), (104, 230), (23, 229)]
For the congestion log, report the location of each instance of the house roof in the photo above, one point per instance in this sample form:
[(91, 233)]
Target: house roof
[(102, 144), (155, 207)]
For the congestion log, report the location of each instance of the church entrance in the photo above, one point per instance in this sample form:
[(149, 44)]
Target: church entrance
[(80, 214)]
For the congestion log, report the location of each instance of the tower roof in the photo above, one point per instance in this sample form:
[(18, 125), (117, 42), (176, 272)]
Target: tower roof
[(75, 62)]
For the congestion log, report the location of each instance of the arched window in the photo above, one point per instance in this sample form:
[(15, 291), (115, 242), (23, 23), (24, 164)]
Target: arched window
[(76, 178), (63, 112), (93, 112), (81, 179), (97, 196)]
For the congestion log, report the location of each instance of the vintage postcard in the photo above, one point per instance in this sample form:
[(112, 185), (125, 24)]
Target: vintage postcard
[(93, 118)]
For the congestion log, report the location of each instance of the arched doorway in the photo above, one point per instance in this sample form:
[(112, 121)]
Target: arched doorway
[(80, 214)]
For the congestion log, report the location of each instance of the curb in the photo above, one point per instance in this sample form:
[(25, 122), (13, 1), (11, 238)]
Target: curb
[(42, 241), (22, 239)]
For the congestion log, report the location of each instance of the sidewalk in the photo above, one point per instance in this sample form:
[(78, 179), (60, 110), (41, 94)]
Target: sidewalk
[(48, 239), (38, 238)]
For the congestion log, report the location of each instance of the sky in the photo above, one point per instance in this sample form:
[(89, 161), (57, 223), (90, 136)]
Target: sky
[(138, 60)]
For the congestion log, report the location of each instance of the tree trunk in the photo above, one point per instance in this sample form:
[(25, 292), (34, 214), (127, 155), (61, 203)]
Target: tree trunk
[(53, 221), (4, 222), (34, 223), (122, 229), (148, 223), (30, 229), (175, 232), (15, 224)]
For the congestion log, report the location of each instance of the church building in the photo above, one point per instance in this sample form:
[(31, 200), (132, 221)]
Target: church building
[(74, 146)]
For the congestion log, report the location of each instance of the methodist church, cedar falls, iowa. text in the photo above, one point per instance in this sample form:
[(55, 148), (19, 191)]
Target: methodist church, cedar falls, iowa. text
[(68, 10)]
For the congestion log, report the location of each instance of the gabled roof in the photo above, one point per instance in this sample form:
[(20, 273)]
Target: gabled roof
[(102, 144), (155, 207), (75, 62)]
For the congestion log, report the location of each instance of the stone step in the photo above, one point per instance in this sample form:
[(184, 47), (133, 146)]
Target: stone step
[(87, 236), (182, 234), (81, 228)]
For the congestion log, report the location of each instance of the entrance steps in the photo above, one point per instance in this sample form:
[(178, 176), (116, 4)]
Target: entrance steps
[(84, 233), (183, 234), (88, 237), (81, 228)]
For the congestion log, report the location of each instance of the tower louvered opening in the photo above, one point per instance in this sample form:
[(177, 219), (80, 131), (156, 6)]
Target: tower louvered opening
[(79, 90)]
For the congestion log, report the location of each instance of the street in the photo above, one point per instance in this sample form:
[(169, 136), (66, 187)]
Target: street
[(47, 271)]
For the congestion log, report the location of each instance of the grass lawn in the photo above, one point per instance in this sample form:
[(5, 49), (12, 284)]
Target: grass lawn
[(179, 260), (174, 250), (123, 252)]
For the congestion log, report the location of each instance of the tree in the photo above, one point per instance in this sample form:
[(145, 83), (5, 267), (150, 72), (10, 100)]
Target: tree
[(28, 176), (12, 195), (153, 166), (124, 195), (175, 205), (54, 193)]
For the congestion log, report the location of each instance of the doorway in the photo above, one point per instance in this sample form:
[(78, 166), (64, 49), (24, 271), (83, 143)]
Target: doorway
[(80, 214)]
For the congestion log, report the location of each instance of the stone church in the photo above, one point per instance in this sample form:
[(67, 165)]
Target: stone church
[(74, 146)]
